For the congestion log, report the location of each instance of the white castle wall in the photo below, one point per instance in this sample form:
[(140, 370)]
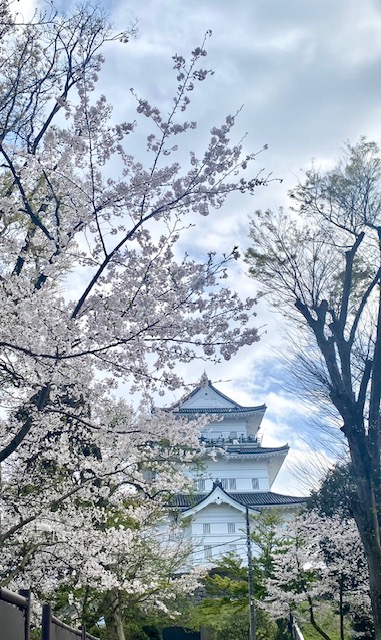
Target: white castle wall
[(242, 471), (221, 539)]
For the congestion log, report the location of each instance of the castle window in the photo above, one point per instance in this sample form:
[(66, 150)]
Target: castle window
[(231, 527), (149, 476), (225, 483), (255, 483), (200, 484), (208, 553), (232, 484), (206, 528)]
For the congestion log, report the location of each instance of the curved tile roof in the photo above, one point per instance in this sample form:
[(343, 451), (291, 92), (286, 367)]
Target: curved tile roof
[(258, 450), (236, 408), (218, 410), (254, 499), (204, 383)]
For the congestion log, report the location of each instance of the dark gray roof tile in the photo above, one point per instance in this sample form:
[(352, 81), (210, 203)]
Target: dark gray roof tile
[(217, 410), (254, 499)]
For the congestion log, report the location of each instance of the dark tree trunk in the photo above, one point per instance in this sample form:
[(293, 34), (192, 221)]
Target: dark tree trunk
[(374, 564), (366, 511), (315, 625), (373, 556), (341, 609)]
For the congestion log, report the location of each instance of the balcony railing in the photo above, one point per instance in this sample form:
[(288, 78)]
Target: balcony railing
[(220, 441)]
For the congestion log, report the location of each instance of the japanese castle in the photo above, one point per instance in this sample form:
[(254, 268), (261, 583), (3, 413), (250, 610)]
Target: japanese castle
[(237, 477)]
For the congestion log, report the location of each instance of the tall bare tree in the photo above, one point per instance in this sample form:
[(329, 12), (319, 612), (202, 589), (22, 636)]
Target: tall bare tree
[(321, 264)]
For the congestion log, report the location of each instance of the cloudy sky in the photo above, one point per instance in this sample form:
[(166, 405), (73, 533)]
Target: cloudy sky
[(307, 73)]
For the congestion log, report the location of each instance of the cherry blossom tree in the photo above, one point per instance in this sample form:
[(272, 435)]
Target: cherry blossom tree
[(323, 561), (139, 566), (69, 523), (93, 292)]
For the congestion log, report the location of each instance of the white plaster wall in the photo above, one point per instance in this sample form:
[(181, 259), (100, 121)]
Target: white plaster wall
[(206, 398), (241, 470), (219, 538), (224, 428), (237, 424)]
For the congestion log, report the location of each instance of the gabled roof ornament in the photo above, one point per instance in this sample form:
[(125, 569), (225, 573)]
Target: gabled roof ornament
[(204, 380)]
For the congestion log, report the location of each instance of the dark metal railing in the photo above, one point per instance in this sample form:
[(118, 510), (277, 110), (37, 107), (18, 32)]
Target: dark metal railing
[(54, 629), (294, 629), (15, 620), (14, 614), (252, 441)]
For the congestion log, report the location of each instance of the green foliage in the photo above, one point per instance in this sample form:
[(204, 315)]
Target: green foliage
[(266, 537), (336, 494), (326, 616), (228, 580), (225, 611), (230, 621)]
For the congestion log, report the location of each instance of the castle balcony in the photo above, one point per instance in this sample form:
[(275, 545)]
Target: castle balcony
[(231, 441)]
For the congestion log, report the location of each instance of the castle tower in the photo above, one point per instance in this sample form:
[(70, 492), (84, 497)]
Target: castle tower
[(238, 475)]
